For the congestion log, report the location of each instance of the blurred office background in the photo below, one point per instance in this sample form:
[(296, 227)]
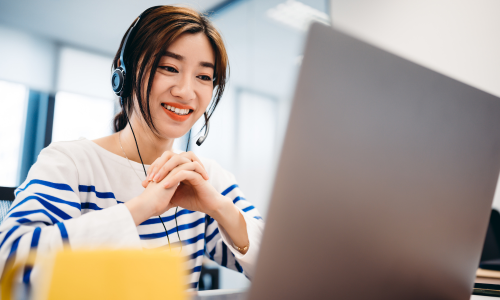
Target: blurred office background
[(55, 63)]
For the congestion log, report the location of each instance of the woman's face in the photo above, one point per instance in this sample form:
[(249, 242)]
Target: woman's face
[(183, 85)]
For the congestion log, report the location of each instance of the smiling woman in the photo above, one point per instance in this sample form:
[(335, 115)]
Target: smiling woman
[(156, 44), (172, 75), (92, 194)]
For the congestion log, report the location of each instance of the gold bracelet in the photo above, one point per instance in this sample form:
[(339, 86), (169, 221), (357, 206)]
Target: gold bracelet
[(244, 249)]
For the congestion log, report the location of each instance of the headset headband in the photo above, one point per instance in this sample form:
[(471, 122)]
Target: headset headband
[(122, 62), (118, 77)]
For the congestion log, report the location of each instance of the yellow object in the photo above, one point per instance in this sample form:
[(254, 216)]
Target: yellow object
[(111, 274), (9, 275)]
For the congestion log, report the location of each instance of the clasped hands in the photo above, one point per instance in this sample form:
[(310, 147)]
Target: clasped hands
[(176, 180), (181, 180)]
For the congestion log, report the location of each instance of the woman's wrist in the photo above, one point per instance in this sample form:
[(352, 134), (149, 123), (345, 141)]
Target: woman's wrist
[(138, 210), (230, 218), (224, 209)]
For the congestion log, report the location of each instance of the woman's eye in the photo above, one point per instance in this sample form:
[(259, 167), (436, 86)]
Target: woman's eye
[(205, 78), (170, 69)]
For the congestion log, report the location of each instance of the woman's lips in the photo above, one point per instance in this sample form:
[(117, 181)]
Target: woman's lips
[(177, 105), (176, 117)]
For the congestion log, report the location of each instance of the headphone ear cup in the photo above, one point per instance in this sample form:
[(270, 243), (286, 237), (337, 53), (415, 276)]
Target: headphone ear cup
[(118, 81)]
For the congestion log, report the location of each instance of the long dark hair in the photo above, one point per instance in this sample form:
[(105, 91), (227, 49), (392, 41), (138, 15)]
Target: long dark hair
[(157, 29)]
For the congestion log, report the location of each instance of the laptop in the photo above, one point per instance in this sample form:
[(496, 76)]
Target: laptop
[(385, 181)]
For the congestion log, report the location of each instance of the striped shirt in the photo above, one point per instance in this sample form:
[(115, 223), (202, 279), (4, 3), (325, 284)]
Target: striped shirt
[(75, 192)]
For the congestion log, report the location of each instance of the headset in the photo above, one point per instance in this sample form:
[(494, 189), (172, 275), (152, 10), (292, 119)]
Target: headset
[(118, 80)]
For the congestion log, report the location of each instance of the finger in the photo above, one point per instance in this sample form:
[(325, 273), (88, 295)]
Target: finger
[(151, 168), (158, 163), (145, 183), (171, 164), (193, 157), (183, 175), (191, 167)]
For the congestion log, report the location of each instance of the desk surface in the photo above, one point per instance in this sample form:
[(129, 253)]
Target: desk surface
[(220, 295), (240, 295)]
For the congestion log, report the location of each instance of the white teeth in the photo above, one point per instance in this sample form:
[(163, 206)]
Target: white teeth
[(178, 111)]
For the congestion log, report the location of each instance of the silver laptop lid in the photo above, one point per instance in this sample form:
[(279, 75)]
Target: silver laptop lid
[(385, 181)]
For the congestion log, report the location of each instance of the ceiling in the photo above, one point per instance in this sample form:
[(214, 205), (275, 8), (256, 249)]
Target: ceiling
[(94, 25)]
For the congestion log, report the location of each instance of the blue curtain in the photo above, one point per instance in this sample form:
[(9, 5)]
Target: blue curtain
[(38, 131)]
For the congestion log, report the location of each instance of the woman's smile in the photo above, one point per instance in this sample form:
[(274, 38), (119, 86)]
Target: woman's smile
[(176, 111)]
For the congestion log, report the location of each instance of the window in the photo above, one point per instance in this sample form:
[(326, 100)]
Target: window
[(12, 108), (78, 116)]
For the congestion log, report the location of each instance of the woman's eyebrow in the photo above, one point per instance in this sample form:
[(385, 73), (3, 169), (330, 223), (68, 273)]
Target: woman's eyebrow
[(173, 55), (181, 58), (207, 64)]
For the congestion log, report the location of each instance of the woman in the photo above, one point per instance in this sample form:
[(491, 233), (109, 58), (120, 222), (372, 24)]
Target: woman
[(95, 193)]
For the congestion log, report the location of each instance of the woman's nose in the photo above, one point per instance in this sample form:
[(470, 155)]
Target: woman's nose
[(184, 89)]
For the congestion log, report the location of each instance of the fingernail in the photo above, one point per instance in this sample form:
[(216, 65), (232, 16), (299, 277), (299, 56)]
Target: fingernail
[(167, 184), (150, 175), (157, 177)]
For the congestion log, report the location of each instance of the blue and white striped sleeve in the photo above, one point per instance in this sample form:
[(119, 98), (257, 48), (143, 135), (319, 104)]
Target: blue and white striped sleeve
[(46, 214), (218, 244)]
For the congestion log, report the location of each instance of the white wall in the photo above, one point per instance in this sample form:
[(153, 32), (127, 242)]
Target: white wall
[(44, 65), (459, 38), (27, 59), (84, 73)]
